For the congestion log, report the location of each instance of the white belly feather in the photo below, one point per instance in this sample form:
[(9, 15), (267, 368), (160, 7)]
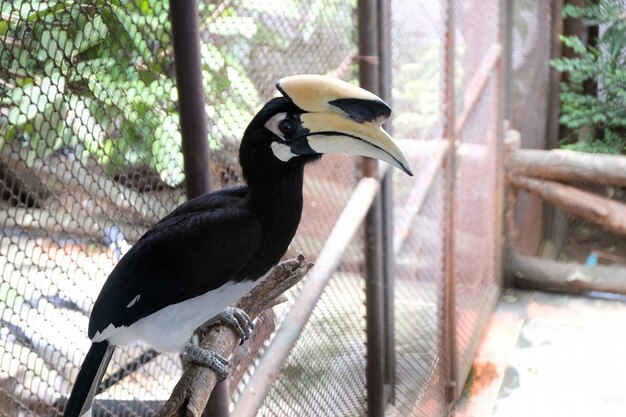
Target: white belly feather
[(168, 329)]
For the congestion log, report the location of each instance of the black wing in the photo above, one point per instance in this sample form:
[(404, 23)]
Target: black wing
[(185, 255), (227, 197)]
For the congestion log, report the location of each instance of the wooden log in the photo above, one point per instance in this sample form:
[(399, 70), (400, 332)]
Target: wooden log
[(567, 277), (570, 166), (190, 396), (608, 213)]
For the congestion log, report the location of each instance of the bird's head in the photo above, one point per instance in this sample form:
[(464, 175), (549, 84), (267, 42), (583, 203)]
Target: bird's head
[(318, 115)]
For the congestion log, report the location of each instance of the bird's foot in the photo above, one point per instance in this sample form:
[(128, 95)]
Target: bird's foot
[(238, 320), (196, 354)]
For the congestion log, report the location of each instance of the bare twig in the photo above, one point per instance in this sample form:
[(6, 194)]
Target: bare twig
[(190, 396)]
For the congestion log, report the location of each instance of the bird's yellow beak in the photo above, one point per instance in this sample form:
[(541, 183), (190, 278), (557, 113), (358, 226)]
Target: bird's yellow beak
[(342, 118)]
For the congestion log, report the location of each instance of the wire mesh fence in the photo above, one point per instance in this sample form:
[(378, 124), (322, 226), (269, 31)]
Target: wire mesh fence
[(476, 287), (418, 77), (91, 157), (325, 372), (420, 268), (418, 32), (476, 200), (531, 25)]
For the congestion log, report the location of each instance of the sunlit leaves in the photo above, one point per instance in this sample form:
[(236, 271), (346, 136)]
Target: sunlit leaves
[(584, 109), (88, 77)]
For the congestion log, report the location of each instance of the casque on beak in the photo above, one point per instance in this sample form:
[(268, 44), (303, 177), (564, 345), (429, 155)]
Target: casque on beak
[(341, 118)]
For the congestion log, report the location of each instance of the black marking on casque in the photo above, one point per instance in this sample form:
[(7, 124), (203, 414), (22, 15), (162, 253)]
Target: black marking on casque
[(361, 110), (285, 95)]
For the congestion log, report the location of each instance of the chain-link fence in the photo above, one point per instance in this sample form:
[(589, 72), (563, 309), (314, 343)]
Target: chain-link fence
[(530, 32), (476, 201), (91, 157)]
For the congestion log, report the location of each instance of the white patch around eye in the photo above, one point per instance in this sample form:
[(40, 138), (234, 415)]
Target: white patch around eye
[(282, 151), (272, 124), (133, 301)]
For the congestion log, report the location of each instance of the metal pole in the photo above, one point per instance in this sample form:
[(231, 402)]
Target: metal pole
[(191, 100), (374, 311), (552, 129), (501, 111), (506, 14), (193, 126), (450, 347), (550, 216), (374, 294), (385, 78)]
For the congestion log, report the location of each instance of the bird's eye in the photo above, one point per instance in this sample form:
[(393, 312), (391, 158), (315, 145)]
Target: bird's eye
[(287, 127)]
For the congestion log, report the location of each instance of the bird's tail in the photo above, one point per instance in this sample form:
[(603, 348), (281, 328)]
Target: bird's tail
[(86, 386)]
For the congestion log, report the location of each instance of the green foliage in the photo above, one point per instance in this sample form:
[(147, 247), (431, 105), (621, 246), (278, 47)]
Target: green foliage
[(83, 74), (416, 96), (603, 64), (99, 75)]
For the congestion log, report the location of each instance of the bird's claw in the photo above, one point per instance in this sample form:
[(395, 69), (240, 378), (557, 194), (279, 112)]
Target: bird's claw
[(210, 359), (238, 320)]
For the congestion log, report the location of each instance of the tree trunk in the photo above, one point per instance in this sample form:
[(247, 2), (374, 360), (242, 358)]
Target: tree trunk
[(570, 166), (610, 214), (573, 278)]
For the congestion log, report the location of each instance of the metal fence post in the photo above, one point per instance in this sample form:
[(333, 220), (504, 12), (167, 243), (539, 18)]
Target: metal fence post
[(368, 24), (384, 53), (452, 389), (193, 123), (191, 100), (502, 74)]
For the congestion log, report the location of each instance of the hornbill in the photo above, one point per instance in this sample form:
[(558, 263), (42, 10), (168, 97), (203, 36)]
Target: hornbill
[(210, 251)]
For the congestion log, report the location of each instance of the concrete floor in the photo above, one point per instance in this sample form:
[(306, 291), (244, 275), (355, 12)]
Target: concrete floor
[(550, 355)]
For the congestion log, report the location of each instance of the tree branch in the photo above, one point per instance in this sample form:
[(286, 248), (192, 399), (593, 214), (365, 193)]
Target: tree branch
[(190, 396), (608, 213), (570, 166)]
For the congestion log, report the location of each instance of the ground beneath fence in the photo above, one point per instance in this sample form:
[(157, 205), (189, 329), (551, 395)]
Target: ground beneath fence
[(550, 355)]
